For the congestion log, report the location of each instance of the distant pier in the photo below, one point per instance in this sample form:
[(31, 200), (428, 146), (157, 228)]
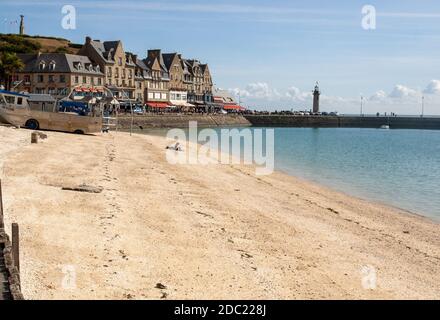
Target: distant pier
[(399, 122)]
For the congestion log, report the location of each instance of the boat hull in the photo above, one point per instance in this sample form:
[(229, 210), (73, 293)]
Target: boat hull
[(56, 121)]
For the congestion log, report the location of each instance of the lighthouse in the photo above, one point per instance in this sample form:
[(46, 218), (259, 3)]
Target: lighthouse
[(316, 94), (21, 25)]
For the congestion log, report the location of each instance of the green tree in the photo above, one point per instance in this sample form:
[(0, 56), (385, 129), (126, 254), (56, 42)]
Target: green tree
[(9, 63)]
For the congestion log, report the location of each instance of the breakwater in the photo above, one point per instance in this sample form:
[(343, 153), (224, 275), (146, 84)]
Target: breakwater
[(344, 121), (182, 120)]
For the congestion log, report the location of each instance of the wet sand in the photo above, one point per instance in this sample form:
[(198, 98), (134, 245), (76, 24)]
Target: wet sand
[(203, 232)]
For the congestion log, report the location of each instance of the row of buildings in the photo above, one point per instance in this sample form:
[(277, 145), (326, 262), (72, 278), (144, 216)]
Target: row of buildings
[(159, 80)]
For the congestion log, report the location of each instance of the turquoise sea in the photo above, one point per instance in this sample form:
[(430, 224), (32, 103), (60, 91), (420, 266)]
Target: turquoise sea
[(396, 167)]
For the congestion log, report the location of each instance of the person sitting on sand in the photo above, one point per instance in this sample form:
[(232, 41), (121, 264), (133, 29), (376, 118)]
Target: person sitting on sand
[(176, 147)]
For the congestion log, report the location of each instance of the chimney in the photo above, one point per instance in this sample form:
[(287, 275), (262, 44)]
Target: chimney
[(155, 53), (88, 40)]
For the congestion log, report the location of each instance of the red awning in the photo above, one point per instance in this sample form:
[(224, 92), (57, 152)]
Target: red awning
[(158, 105), (232, 107)]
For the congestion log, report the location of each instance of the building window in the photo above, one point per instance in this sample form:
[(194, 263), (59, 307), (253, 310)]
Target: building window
[(62, 78), (150, 95), (40, 78), (51, 78), (120, 61), (76, 79), (99, 81), (27, 79), (42, 65), (52, 65), (52, 91), (164, 96), (84, 79)]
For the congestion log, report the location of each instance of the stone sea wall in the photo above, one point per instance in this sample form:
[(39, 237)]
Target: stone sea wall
[(344, 121), (181, 121)]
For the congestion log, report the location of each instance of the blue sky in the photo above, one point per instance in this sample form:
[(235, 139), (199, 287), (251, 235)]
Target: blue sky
[(272, 52)]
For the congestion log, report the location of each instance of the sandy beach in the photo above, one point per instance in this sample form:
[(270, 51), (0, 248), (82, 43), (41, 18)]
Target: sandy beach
[(202, 232)]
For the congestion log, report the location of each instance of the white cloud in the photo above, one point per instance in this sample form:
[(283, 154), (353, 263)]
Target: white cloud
[(433, 87), (296, 94), (401, 99), (261, 90), (401, 91), (378, 96)]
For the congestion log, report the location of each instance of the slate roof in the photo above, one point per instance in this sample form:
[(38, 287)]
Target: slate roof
[(64, 63), (105, 49), (164, 71), (168, 59)]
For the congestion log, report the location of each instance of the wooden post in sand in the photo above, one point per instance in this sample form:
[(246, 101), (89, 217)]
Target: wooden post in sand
[(16, 245), (34, 137), (1, 207)]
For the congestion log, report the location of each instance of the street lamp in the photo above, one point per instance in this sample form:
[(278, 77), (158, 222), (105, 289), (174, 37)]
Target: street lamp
[(362, 105), (423, 106)]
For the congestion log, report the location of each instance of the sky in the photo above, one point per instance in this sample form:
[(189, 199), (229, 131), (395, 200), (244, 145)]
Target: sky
[(270, 53)]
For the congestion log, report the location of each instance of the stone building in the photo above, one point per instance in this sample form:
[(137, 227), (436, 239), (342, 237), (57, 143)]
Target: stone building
[(199, 84), (156, 86), (141, 76), (177, 86), (117, 65), (57, 74)]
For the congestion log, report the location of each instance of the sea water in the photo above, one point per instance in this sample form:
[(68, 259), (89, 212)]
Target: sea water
[(396, 167)]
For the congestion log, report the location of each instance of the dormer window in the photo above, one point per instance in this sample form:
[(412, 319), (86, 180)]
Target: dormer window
[(42, 65), (78, 66), (52, 65)]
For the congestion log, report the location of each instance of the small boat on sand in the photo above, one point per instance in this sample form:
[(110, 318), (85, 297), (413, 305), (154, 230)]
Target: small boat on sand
[(65, 116)]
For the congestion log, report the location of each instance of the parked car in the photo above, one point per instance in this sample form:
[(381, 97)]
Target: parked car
[(138, 110)]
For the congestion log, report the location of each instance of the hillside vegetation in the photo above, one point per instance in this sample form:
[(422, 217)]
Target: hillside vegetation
[(11, 44), (29, 44)]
